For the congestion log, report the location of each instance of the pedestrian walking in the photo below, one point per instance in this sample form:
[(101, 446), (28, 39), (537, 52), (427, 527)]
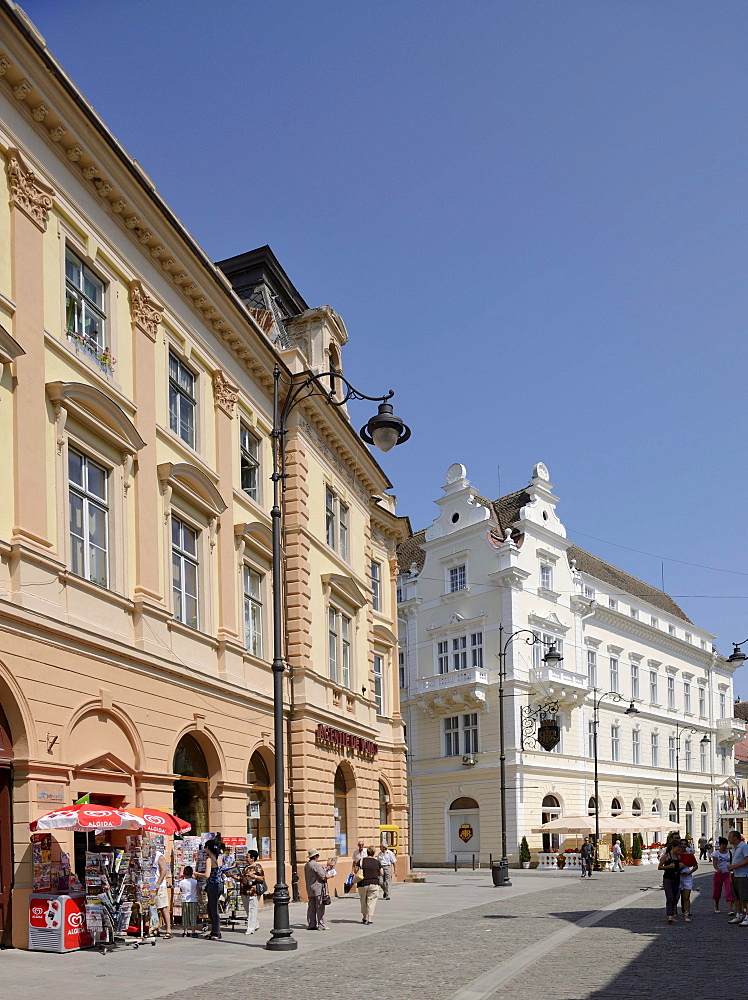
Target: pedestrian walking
[(709, 848), (252, 885), (358, 855), (702, 848), (315, 876), (214, 883), (617, 857), (670, 868), (721, 858), (739, 868), (188, 892), (388, 860), (588, 854), (368, 887), (689, 865)]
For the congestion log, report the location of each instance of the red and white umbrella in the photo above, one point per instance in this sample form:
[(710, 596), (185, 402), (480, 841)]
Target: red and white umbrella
[(159, 821), (88, 817)]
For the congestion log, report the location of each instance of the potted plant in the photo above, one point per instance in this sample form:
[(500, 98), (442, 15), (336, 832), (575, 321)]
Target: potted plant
[(524, 853), (636, 849)]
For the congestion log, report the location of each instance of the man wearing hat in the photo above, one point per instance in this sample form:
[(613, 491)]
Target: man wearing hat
[(316, 889)]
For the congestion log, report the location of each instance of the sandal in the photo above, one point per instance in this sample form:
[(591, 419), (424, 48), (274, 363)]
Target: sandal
[(167, 936)]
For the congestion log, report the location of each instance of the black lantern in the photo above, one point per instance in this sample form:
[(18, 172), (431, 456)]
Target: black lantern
[(384, 430), (549, 734)]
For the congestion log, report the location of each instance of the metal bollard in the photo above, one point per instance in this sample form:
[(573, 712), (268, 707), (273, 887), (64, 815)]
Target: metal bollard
[(473, 862), (455, 862)]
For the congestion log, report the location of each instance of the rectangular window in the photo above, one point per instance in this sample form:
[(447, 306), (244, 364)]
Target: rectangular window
[(686, 696), (249, 459), (655, 750), (546, 577), (592, 668), (591, 739), (613, 674), (459, 652), (379, 684), (653, 687), (613, 604), (470, 733), (332, 643), (336, 523), (723, 761), (184, 566), (330, 518), (456, 579), (688, 637), (671, 752), (688, 755), (343, 529), (442, 657), (654, 622), (671, 692), (452, 736), (703, 643), (85, 319), (476, 650), (722, 704), (345, 649), (88, 518), (615, 743), (671, 629), (634, 681), (702, 701), (253, 611), (401, 669), (702, 757), (634, 613), (589, 592), (376, 586), (182, 400), (543, 645), (635, 747)]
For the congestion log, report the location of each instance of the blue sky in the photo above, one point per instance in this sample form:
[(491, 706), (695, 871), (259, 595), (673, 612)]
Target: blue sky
[(531, 216)]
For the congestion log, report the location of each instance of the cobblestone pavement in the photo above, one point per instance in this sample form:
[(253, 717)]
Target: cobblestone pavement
[(456, 937)]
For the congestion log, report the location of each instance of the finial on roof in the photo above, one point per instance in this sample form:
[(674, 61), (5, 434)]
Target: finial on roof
[(541, 472), (455, 472)]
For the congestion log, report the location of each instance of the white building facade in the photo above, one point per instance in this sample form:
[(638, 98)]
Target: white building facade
[(482, 565)]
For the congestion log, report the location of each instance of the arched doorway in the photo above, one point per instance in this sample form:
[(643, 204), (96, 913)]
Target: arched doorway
[(385, 811), (258, 806), (689, 819), (552, 810), (6, 829), (464, 828), (704, 820), (341, 791), (192, 787)]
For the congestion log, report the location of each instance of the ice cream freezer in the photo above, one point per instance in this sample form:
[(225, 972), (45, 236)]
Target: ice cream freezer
[(58, 922)]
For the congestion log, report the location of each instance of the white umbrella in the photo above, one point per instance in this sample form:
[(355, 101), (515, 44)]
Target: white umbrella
[(567, 824)]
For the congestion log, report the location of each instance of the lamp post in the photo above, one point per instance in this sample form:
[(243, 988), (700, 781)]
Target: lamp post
[(704, 739), (631, 710), (552, 658), (384, 430)]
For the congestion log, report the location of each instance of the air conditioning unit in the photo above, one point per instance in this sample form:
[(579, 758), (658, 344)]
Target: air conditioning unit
[(469, 759)]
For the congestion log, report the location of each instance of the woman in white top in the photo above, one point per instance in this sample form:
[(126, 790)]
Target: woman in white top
[(721, 858)]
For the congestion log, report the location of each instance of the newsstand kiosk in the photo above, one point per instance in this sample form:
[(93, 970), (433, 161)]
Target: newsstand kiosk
[(58, 922)]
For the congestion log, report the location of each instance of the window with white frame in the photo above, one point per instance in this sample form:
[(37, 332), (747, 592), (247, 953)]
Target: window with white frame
[(635, 747), (722, 754), (85, 319), (589, 592), (655, 749), (634, 681), (688, 637), (633, 613), (653, 687), (442, 656), (590, 739), (546, 640), (688, 755), (253, 611), (345, 649), (452, 736), (330, 518), (546, 576), (671, 752), (379, 683), (592, 668), (476, 650), (457, 579), (249, 461), (182, 399), (470, 732), (671, 629), (615, 743), (88, 504), (673, 811), (613, 604), (702, 701), (703, 757), (670, 691), (342, 529), (722, 705), (376, 586), (401, 669), (184, 567), (459, 652), (703, 643), (686, 696), (336, 523), (614, 673), (339, 646)]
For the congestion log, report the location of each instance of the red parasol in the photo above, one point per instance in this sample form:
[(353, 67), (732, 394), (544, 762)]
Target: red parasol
[(88, 817), (158, 821)]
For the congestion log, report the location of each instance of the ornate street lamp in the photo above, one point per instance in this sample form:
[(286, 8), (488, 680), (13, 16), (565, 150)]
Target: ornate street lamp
[(631, 710), (704, 740), (384, 430)]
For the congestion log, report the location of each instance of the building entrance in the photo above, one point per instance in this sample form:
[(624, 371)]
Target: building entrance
[(6, 830)]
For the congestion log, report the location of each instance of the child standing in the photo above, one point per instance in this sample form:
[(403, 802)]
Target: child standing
[(721, 858), (188, 891)]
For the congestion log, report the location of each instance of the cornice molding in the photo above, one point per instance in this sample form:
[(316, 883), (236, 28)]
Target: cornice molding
[(27, 191), (654, 636)]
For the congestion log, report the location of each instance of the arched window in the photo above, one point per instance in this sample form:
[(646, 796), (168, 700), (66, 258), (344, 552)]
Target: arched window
[(258, 806), (615, 807), (704, 820), (551, 811), (656, 807), (591, 806), (464, 803), (340, 812), (637, 808), (672, 812), (384, 805), (192, 786), (689, 819)]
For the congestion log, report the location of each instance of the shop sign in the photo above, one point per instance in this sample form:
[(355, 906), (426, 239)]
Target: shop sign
[(235, 841), (53, 795), (465, 833), (330, 736)]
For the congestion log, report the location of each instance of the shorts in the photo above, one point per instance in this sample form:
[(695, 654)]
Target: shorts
[(162, 897), (686, 881), (740, 888)]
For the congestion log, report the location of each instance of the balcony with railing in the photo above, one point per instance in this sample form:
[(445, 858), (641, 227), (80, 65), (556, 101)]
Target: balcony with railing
[(458, 690), (730, 730), (563, 685)]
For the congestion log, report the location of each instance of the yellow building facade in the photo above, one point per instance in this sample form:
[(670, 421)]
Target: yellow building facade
[(135, 540)]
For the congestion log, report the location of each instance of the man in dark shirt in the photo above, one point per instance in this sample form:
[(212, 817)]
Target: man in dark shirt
[(588, 856)]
